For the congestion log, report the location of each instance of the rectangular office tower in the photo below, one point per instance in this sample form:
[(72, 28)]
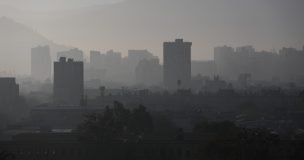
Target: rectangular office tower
[(68, 81), (9, 93), (177, 64), (95, 59), (41, 63)]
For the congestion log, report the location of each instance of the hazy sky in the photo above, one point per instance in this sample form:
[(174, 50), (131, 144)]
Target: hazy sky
[(146, 24), (44, 5)]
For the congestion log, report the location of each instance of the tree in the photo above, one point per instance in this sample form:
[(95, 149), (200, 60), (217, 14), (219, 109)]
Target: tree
[(179, 82), (4, 154), (214, 127), (140, 121), (107, 126), (250, 144)]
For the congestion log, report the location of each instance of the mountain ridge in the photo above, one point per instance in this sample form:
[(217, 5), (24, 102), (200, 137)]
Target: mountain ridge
[(146, 24), (16, 42)]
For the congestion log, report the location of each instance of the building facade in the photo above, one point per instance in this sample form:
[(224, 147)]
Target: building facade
[(41, 63), (177, 64), (9, 94), (95, 59), (68, 81)]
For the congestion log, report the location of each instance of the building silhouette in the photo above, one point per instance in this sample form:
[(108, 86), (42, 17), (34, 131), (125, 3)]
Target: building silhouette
[(149, 72), (130, 62), (177, 64), (134, 56), (75, 54), (95, 59), (291, 61), (9, 93), (245, 59), (41, 63), (113, 63), (68, 81), (205, 68)]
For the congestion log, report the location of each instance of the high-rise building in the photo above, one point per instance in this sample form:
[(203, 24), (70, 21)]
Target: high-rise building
[(75, 54), (68, 81), (41, 63), (291, 61), (134, 56), (177, 64), (113, 63), (95, 59), (9, 93)]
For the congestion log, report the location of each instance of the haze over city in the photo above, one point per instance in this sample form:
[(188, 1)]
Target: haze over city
[(144, 24), (151, 79)]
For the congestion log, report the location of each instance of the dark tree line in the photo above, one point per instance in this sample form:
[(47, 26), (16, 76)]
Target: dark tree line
[(106, 126), (245, 144)]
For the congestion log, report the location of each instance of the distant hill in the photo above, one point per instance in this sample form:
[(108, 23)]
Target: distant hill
[(28, 17), (146, 24), (16, 41)]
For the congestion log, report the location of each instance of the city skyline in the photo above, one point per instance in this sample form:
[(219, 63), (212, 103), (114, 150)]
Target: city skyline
[(232, 23)]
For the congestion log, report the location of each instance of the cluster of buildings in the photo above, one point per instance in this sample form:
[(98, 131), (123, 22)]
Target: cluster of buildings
[(71, 73), (73, 77), (262, 65)]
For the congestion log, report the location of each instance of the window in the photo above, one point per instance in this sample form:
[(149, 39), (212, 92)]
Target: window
[(187, 152), (63, 152), (171, 152), (196, 154), (54, 152), (88, 152), (72, 152), (146, 151), (29, 152), (179, 152), (79, 152), (163, 152)]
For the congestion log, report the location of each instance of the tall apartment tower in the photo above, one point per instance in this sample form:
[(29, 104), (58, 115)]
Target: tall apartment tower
[(9, 93), (113, 63), (41, 63), (177, 64), (95, 59), (68, 81)]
